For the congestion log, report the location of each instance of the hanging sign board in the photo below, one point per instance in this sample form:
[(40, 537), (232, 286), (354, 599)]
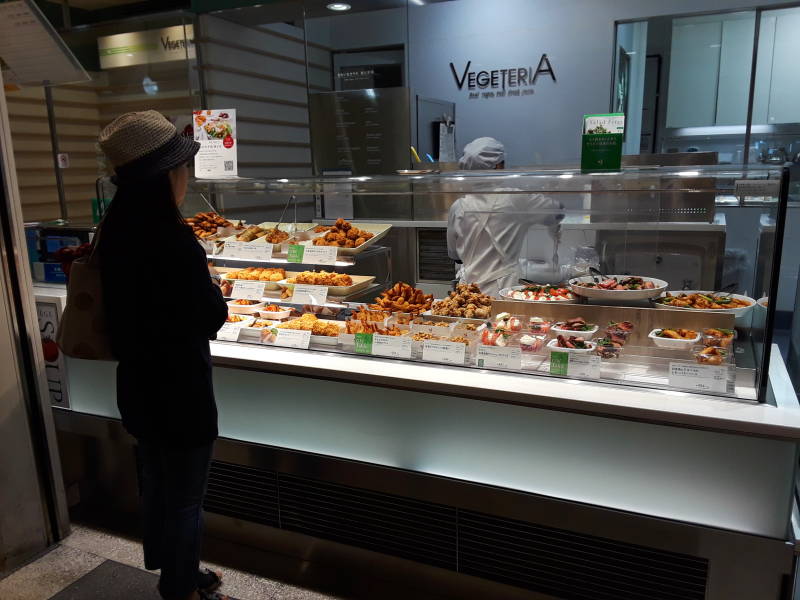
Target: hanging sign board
[(216, 132), (146, 47)]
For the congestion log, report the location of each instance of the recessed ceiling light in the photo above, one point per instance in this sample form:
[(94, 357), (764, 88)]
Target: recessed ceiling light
[(340, 6)]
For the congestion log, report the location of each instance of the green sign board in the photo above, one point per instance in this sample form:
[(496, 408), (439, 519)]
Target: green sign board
[(559, 363), (363, 343), (295, 253)]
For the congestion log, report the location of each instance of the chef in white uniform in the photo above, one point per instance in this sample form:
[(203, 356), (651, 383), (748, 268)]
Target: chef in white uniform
[(487, 232)]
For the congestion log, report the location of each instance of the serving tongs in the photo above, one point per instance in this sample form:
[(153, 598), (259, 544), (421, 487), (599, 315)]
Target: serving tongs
[(598, 273)]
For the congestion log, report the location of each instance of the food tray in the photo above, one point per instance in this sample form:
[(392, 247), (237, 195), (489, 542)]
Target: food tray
[(269, 285), (360, 282), (379, 230), (660, 287), (243, 309), (739, 312), (288, 227), (568, 332), (279, 315), (246, 320), (673, 343), (552, 347), (506, 293), (428, 314)]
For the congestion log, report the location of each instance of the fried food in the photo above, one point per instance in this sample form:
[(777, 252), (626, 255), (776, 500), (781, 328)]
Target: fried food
[(711, 356), (261, 323), (244, 302), (254, 232), (234, 319), (343, 235), (258, 274), (466, 301), (372, 327), (321, 228), (322, 278), (273, 308), (677, 334), (428, 322), (205, 224), (370, 316), (460, 339), (424, 335), (702, 301), (309, 322), (403, 298), (721, 338)]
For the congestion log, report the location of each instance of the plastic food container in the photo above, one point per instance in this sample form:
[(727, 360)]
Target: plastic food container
[(531, 343), (568, 332), (720, 356), (553, 346), (675, 344), (244, 309), (714, 339), (539, 326), (605, 349)]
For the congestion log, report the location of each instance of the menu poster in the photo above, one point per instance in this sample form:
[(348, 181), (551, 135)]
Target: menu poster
[(216, 132)]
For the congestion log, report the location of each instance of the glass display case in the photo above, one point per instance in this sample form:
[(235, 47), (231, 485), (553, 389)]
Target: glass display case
[(654, 277)]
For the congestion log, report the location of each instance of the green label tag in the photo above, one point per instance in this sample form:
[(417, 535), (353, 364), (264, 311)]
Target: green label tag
[(559, 363), (295, 253), (363, 343), (601, 151)]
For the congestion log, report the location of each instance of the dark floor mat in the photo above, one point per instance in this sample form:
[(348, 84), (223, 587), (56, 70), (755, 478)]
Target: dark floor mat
[(112, 580)]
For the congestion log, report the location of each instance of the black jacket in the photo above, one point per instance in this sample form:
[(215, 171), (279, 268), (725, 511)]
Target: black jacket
[(162, 308)]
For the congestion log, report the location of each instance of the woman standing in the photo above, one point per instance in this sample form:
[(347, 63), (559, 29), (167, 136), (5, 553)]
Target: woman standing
[(162, 309)]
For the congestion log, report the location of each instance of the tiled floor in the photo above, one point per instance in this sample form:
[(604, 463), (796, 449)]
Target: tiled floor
[(86, 549)]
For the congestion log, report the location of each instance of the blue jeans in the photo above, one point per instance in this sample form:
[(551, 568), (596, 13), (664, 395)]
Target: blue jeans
[(173, 483)]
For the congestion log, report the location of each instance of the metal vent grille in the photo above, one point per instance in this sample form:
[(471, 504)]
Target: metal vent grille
[(557, 562), (242, 493), (574, 566), (433, 262), (403, 527)]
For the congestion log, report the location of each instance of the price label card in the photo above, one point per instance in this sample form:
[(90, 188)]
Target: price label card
[(584, 365), (288, 338), (233, 249), (309, 294), (395, 346), (295, 253), (363, 343), (320, 255), (575, 365), (501, 358), (704, 378), (249, 290), (452, 353), (229, 333), (256, 251)]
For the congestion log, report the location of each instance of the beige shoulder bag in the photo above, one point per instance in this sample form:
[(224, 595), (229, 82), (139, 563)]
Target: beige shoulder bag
[(82, 332)]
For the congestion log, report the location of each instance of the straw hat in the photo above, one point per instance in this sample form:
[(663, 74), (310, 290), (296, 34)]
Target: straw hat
[(142, 144)]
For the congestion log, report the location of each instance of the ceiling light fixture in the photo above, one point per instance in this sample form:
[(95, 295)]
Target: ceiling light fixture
[(338, 6)]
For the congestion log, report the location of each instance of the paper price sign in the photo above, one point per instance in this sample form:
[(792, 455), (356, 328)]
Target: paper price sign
[(249, 290), (575, 365), (309, 294), (255, 251), (288, 338), (233, 249), (703, 378), (391, 345), (229, 333), (500, 358), (320, 255), (363, 343), (445, 352)]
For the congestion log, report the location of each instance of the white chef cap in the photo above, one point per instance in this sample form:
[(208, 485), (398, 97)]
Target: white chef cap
[(482, 153)]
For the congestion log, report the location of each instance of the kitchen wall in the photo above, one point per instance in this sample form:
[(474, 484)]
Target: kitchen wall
[(577, 36)]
